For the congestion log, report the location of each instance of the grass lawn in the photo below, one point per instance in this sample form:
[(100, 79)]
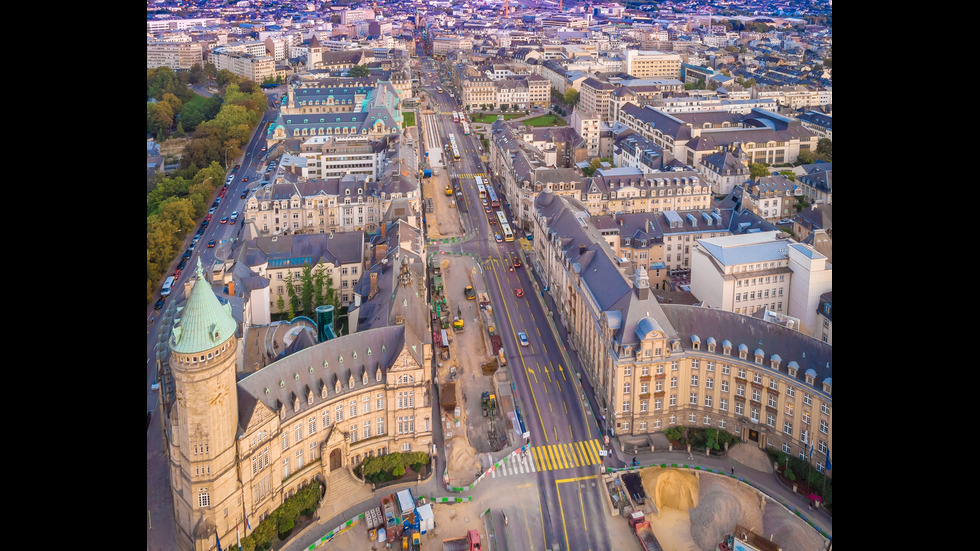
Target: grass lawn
[(409, 119), (546, 120), (490, 118)]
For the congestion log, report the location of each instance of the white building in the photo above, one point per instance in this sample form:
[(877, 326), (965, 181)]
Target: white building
[(760, 271)]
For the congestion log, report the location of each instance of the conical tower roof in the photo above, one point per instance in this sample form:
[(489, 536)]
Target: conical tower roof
[(204, 322)]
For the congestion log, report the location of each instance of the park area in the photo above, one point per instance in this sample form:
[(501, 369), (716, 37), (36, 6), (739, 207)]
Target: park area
[(546, 120), (490, 118)]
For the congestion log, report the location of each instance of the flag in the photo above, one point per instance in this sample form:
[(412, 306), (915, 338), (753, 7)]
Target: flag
[(218, 540), (247, 525), (811, 451), (827, 462)]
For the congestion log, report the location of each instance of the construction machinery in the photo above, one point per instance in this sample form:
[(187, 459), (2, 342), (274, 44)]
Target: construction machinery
[(489, 403)]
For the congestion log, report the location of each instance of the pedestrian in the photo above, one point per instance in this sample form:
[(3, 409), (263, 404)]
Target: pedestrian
[(733, 471)]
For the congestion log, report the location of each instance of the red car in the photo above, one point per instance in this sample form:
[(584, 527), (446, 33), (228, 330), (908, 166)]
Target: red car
[(517, 263), (222, 194), (519, 292), (177, 274), (245, 179)]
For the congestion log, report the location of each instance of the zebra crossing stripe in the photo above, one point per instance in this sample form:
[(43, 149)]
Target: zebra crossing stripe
[(566, 448), (585, 454), (537, 458), (565, 451), (595, 448), (551, 458), (571, 452)]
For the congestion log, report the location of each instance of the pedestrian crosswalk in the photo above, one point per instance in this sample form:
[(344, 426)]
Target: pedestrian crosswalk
[(473, 175), (551, 457)]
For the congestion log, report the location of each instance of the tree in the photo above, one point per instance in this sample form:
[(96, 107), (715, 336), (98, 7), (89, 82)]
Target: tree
[(571, 97), (825, 149), (758, 170), (293, 306), (358, 71), (306, 289)]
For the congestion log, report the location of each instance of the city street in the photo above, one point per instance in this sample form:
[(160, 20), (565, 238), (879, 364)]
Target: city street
[(564, 438)]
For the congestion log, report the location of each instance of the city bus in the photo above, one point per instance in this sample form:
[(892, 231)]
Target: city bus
[(492, 195), (504, 226), (482, 190), (453, 147), (466, 128)]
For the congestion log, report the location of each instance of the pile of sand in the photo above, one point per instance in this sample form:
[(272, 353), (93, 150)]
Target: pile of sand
[(695, 512), (724, 503)]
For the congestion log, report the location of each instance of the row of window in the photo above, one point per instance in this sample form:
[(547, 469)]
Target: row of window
[(750, 295)]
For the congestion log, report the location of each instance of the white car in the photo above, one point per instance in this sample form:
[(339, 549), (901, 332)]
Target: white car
[(523, 338)]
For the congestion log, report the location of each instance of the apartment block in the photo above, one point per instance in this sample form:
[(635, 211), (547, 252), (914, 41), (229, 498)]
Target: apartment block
[(177, 56), (653, 64)]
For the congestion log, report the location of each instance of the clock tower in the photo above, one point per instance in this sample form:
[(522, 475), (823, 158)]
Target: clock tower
[(204, 421)]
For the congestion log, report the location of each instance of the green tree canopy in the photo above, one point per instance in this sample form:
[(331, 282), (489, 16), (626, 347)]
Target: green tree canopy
[(358, 71), (758, 170), (571, 97)]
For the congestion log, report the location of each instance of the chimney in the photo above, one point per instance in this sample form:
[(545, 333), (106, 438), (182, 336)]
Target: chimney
[(581, 248), (380, 251), (374, 285)]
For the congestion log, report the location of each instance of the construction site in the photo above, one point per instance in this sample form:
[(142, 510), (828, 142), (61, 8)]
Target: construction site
[(472, 376)]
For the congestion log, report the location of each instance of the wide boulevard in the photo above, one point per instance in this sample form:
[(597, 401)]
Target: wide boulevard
[(565, 441)]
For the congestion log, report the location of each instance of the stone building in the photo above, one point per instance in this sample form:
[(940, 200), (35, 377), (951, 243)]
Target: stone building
[(654, 366), (239, 448)]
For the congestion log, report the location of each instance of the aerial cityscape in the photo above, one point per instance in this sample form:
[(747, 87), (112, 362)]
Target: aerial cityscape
[(495, 275)]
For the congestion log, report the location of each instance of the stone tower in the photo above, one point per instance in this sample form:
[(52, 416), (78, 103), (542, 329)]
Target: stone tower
[(204, 421)]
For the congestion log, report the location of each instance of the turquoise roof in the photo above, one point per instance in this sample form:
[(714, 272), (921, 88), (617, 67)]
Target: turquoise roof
[(203, 322)]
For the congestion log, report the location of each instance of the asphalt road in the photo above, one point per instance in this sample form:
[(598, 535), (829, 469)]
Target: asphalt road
[(160, 523), (564, 438)]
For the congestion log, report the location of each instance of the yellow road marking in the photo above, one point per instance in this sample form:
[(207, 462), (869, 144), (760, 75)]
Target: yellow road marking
[(561, 508)]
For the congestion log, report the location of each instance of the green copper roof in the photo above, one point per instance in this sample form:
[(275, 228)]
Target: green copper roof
[(204, 322)]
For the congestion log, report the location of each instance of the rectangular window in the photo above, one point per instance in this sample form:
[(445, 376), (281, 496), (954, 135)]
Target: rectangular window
[(693, 399)]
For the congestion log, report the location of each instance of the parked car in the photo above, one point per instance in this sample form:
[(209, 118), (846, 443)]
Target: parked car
[(159, 304), (177, 274)]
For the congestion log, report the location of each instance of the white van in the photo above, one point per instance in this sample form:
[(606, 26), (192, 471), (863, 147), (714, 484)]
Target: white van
[(167, 286)]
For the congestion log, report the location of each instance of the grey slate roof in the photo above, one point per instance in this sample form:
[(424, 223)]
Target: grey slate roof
[(311, 368), (790, 345)]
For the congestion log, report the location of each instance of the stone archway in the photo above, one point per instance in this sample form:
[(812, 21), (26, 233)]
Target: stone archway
[(336, 460)]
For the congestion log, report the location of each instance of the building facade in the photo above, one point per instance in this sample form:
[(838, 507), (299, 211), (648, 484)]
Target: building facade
[(655, 366), (238, 449)]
